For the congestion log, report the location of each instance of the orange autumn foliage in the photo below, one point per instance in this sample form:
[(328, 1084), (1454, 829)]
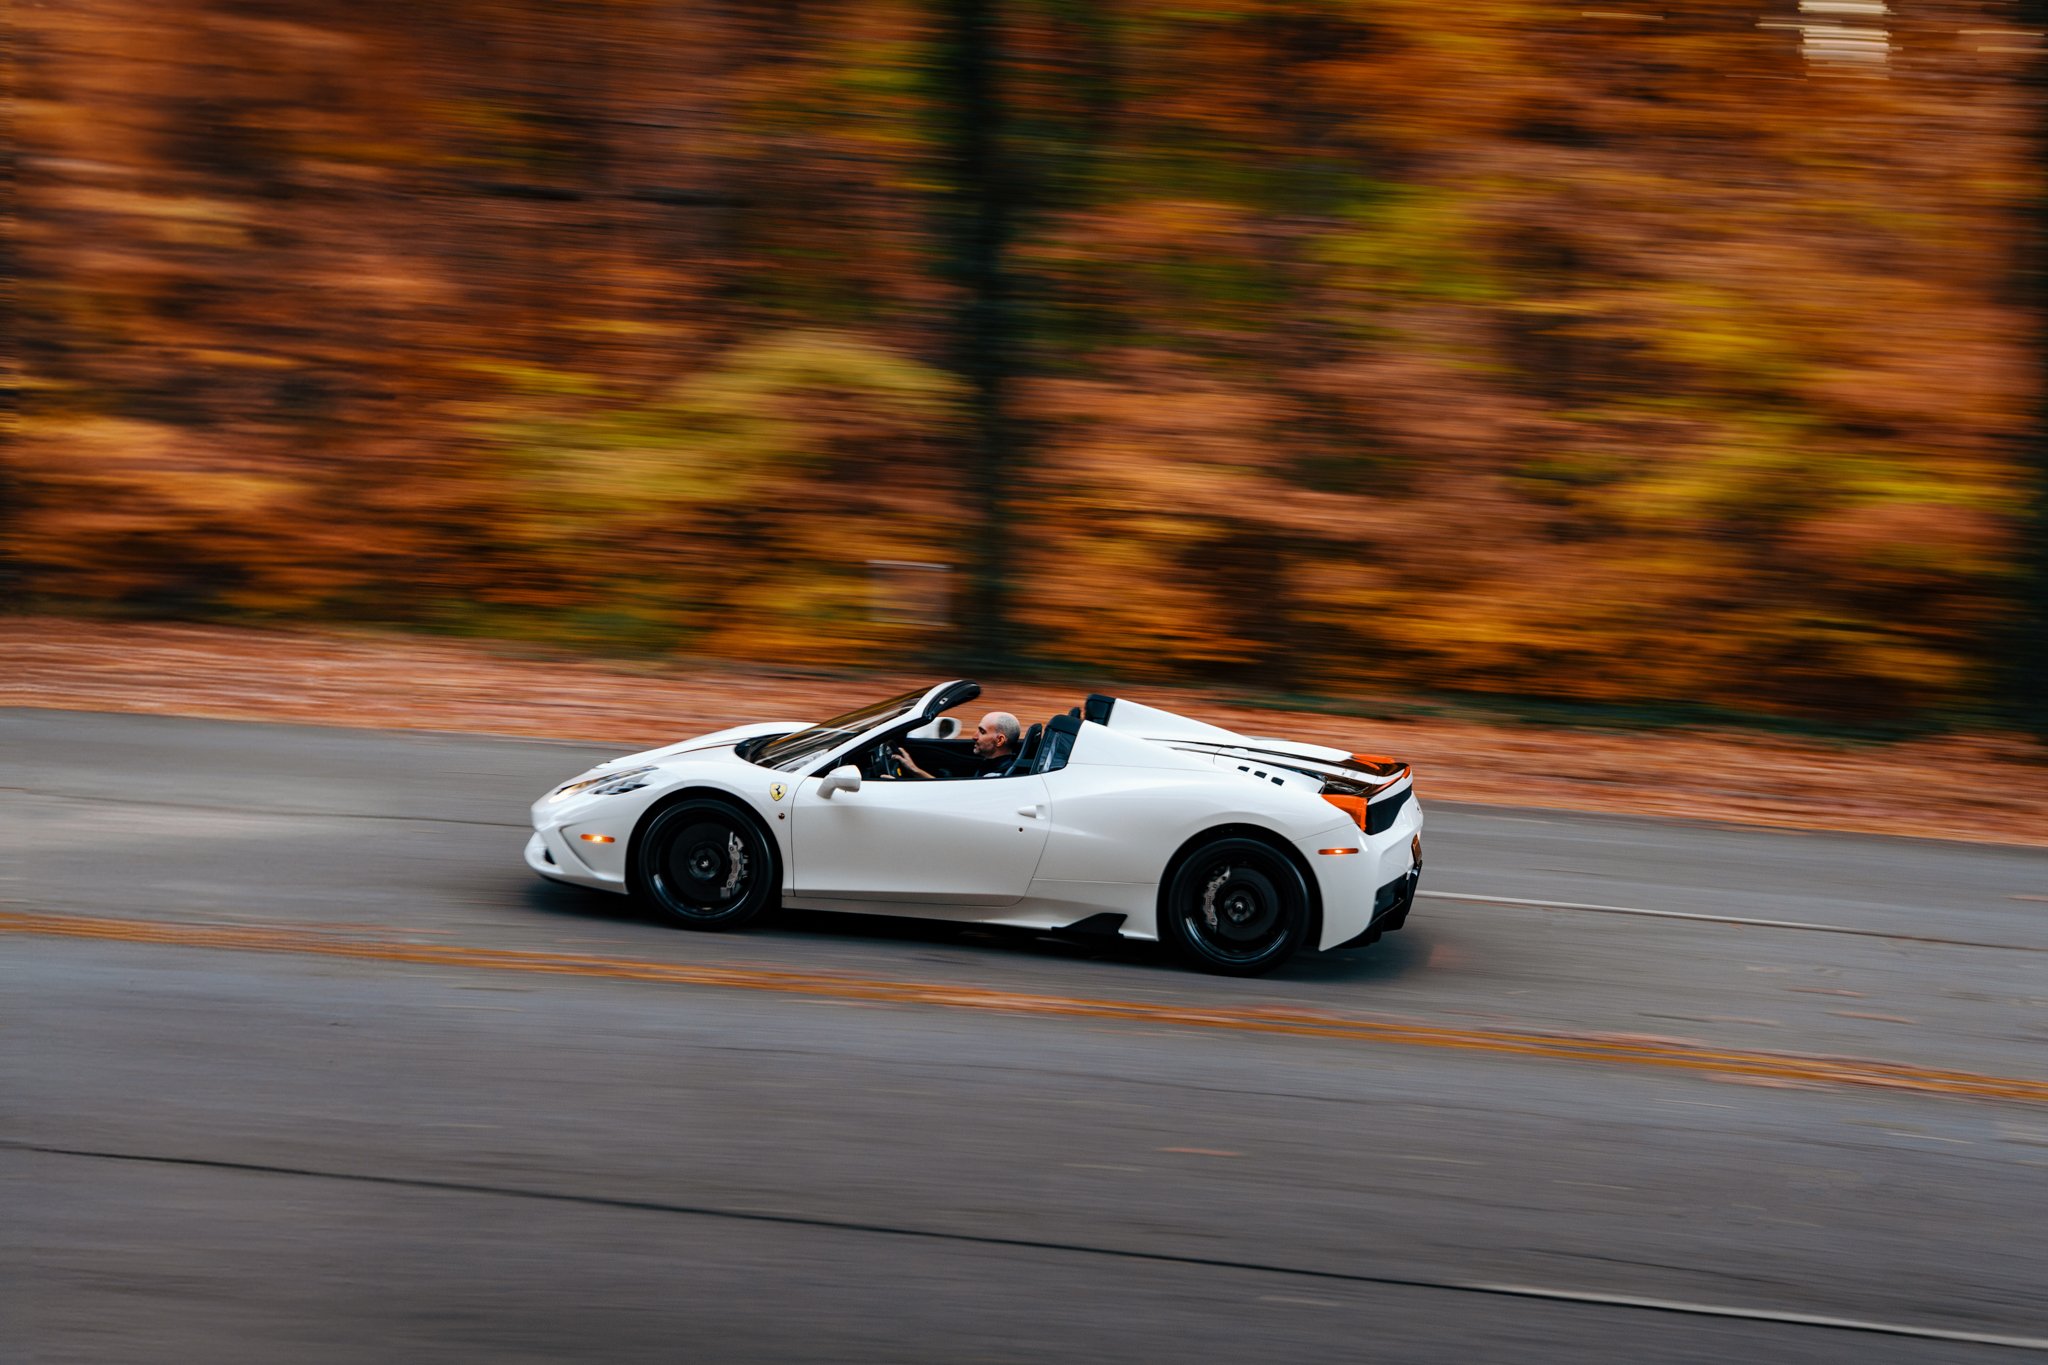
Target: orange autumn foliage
[(1609, 355)]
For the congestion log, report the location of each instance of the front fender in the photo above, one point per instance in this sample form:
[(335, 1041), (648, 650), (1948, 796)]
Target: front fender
[(592, 837)]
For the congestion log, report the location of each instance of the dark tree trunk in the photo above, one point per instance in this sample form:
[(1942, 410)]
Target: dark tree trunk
[(978, 222), (2026, 656), (13, 364), (1322, 446)]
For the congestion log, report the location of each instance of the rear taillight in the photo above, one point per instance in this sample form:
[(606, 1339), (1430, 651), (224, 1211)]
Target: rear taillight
[(1353, 806), (1373, 814)]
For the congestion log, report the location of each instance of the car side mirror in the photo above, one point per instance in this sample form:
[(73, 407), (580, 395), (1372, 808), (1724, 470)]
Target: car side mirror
[(844, 778), (948, 727)]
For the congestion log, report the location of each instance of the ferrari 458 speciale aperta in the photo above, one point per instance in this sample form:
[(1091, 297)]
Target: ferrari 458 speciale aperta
[(1113, 819)]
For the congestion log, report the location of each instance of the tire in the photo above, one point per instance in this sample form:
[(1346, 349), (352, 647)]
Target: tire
[(1235, 906), (705, 864)]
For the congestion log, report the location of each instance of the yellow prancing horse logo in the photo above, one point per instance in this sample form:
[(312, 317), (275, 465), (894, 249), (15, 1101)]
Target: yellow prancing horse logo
[(774, 791)]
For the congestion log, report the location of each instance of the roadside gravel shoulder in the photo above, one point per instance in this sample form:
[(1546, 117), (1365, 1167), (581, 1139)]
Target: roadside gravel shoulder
[(1991, 788)]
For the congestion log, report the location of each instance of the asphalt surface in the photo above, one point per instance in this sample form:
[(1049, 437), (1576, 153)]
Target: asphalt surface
[(224, 1155)]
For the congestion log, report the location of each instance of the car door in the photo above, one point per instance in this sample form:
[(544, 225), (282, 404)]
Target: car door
[(969, 842)]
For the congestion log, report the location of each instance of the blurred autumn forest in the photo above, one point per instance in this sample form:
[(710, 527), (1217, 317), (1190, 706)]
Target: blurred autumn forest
[(1678, 355)]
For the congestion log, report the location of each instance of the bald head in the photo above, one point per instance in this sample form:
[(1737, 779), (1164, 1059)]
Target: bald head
[(996, 735)]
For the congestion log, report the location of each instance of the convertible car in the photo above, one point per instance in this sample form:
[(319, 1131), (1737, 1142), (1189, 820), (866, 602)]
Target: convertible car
[(1114, 819)]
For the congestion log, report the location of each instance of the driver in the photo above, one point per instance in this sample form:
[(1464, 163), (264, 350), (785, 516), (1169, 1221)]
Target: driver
[(995, 747)]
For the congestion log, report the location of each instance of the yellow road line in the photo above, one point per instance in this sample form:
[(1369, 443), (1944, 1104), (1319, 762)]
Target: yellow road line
[(1769, 1066)]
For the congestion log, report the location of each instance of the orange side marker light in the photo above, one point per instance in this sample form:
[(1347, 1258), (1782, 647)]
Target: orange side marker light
[(1336, 850), (599, 839)]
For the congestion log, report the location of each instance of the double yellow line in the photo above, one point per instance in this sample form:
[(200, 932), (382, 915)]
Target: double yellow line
[(1769, 1067)]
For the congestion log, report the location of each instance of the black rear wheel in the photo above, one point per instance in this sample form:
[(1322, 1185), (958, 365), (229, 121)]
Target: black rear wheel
[(1235, 906), (705, 864)]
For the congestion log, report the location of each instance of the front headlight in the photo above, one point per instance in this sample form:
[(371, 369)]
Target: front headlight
[(604, 784)]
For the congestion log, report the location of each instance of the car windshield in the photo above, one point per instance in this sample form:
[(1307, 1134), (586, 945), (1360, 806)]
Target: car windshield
[(792, 753)]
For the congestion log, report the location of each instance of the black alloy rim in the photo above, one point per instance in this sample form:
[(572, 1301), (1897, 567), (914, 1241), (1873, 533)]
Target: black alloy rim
[(1235, 910), (707, 868)]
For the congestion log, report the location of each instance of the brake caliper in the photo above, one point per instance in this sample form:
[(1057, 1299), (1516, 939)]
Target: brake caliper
[(738, 864), (1209, 894)]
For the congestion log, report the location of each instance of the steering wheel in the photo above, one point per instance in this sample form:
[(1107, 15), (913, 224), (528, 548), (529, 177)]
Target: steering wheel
[(884, 761)]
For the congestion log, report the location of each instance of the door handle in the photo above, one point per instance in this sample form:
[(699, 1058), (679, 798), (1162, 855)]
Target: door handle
[(1031, 812)]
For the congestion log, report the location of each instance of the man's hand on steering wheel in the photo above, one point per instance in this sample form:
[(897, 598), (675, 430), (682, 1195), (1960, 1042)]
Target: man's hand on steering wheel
[(900, 764)]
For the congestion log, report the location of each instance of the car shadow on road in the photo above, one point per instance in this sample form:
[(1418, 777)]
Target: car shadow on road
[(1392, 957), (579, 902)]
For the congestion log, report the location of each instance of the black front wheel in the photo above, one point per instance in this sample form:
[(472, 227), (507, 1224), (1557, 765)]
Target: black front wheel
[(705, 864), (1235, 906)]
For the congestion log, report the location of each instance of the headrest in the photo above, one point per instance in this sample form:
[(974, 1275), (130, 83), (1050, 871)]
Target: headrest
[(1098, 708), (1059, 743), (1026, 751)]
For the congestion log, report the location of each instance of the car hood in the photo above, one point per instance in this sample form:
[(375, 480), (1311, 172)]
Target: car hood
[(717, 739), (716, 747)]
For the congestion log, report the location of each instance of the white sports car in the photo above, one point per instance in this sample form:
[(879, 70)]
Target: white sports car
[(1114, 819)]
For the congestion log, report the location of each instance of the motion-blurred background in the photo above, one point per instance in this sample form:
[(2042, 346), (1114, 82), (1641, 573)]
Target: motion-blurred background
[(1665, 356)]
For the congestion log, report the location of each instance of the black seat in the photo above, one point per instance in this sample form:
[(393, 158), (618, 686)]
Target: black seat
[(1027, 752), (1060, 732)]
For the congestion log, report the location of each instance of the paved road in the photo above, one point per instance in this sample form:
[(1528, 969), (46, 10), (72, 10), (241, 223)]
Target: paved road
[(292, 1155)]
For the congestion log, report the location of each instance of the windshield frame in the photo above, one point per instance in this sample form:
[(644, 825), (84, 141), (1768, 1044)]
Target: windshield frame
[(798, 751)]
